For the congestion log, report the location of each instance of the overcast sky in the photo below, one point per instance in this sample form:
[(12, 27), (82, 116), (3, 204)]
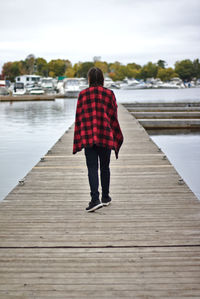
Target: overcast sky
[(123, 30)]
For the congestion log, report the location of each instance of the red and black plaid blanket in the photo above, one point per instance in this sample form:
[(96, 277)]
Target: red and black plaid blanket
[(96, 120)]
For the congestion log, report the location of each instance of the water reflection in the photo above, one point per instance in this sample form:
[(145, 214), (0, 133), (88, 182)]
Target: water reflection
[(28, 130), (36, 113)]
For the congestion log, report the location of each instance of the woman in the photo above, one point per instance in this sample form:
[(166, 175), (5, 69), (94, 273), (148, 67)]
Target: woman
[(97, 131)]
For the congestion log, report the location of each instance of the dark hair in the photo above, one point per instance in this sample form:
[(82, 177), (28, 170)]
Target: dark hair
[(95, 76)]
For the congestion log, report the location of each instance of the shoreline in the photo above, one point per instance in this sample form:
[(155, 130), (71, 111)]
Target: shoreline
[(30, 98)]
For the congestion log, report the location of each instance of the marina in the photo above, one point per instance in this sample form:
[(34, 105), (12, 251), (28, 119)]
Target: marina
[(146, 244), (26, 86)]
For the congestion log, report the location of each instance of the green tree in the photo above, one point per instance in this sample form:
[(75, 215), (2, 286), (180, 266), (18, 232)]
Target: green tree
[(149, 71), (77, 66), (57, 67), (22, 67), (196, 68), (161, 63), (132, 70), (134, 65), (70, 72), (185, 69), (102, 65), (117, 71), (83, 68), (41, 66), (166, 74)]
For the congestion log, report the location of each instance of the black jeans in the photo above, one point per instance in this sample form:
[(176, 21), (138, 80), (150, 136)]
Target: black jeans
[(93, 156)]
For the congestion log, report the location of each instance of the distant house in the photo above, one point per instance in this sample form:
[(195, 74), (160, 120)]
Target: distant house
[(28, 79)]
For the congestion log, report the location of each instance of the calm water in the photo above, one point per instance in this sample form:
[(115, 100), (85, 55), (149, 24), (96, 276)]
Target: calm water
[(183, 151), (30, 129), (158, 95)]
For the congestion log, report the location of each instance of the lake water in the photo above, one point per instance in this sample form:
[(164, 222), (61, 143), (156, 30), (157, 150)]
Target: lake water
[(30, 129), (183, 151)]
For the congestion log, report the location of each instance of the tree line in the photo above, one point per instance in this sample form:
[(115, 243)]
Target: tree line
[(184, 69)]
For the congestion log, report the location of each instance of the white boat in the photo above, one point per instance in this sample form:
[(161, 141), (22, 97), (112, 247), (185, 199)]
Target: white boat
[(35, 90), (60, 88), (198, 83), (169, 85), (83, 83), (4, 91), (28, 79), (18, 89), (72, 86), (2, 83), (157, 83), (3, 88), (47, 84), (134, 84), (108, 82)]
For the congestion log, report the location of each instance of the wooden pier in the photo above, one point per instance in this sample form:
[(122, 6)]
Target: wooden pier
[(146, 244)]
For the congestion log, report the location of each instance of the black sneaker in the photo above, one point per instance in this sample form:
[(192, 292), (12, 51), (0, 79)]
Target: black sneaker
[(106, 201), (94, 205)]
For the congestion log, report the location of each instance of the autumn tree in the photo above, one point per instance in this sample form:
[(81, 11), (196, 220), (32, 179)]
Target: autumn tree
[(70, 72), (185, 69), (57, 67), (11, 70), (22, 67), (133, 70), (103, 65), (117, 71)]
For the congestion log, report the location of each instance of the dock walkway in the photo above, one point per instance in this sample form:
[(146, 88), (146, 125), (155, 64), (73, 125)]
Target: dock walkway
[(146, 244)]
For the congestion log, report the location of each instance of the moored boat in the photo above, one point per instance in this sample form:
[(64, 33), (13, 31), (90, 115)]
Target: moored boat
[(18, 89), (72, 86), (36, 90), (47, 84)]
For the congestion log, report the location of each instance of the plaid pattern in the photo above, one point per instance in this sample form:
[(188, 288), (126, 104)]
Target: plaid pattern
[(96, 120)]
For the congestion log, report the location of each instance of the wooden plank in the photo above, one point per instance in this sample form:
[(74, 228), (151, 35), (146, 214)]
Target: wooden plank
[(145, 245)]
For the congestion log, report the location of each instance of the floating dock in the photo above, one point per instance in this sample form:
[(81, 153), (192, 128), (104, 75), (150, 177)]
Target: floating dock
[(146, 244), (154, 116)]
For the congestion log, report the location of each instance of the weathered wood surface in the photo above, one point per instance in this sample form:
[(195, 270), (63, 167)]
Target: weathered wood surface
[(145, 245), (162, 123), (169, 115), (166, 115)]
